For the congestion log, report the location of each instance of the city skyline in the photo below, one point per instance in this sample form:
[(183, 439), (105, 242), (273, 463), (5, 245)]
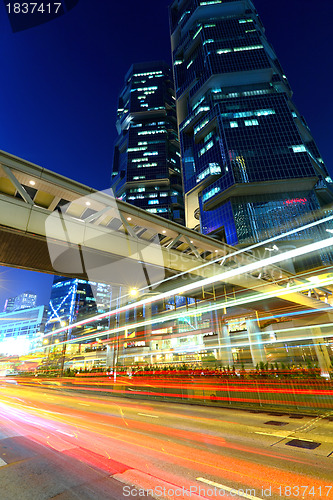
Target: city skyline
[(13, 282), (41, 112)]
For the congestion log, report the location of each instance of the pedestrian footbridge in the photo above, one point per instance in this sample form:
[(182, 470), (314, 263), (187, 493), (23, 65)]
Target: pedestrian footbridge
[(52, 224)]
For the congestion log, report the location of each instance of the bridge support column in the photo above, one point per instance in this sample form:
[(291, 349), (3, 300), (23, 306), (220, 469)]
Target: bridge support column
[(224, 354), (109, 356), (324, 360), (255, 340)]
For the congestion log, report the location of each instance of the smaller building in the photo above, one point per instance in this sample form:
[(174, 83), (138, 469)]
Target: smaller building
[(21, 331), (25, 300), (9, 305)]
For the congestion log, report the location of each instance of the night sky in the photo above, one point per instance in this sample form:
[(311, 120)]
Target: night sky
[(60, 81)]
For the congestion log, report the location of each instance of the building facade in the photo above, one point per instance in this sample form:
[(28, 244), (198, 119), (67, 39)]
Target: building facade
[(250, 165), (25, 300), (146, 164), (73, 300), (9, 305), (21, 331)]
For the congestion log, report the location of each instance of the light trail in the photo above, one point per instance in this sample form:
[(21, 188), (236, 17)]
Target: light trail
[(224, 276), (103, 440), (206, 308), (247, 249)]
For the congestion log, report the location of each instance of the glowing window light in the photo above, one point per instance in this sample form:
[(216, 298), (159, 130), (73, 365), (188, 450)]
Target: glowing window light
[(200, 126), (251, 123), (208, 146), (210, 2), (211, 193), (131, 150), (299, 148)]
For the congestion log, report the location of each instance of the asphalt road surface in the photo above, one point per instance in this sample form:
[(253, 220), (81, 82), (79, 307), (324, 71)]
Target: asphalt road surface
[(63, 445)]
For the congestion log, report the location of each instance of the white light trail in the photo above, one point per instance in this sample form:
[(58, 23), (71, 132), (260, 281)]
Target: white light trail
[(222, 277)]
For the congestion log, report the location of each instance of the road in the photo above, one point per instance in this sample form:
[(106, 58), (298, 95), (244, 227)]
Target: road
[(100, 445)]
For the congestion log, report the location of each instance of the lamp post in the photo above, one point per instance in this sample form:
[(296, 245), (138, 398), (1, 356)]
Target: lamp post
[(64, 323)]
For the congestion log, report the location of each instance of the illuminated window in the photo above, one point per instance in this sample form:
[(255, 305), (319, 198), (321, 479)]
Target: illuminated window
[(211, 193), (210, 2), (200, 126), (250, 47), (264, 112), (299, 148), (251, 123), (130, 150), (244, 114), (152, 132), (223, 51), (208, 146)]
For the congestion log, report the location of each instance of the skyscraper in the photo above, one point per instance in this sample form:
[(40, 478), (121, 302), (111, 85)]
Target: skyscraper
[(146, 164), (250, 165), (73, 300)]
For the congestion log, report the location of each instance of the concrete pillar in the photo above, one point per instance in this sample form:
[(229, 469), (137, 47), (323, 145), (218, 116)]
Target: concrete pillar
[(224, 353), (147, 317), (109, 356), (324, 360), (255, 341)]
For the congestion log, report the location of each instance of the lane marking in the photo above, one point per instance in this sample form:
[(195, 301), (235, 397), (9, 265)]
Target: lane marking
[(66, 433), (2, 462), (147, 415), (302, 439), (284, 435), (238, 493)]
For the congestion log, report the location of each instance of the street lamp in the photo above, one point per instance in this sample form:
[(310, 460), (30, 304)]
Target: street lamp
[(63, 323)]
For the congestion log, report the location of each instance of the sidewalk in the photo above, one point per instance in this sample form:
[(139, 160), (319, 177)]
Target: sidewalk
[(31, 471)]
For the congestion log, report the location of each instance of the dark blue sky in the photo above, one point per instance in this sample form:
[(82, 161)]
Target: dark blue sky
[(60, 81)]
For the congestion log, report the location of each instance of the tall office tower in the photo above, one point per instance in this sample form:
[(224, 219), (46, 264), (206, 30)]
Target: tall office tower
[(250, 165), (146, 164), (73, 300)]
